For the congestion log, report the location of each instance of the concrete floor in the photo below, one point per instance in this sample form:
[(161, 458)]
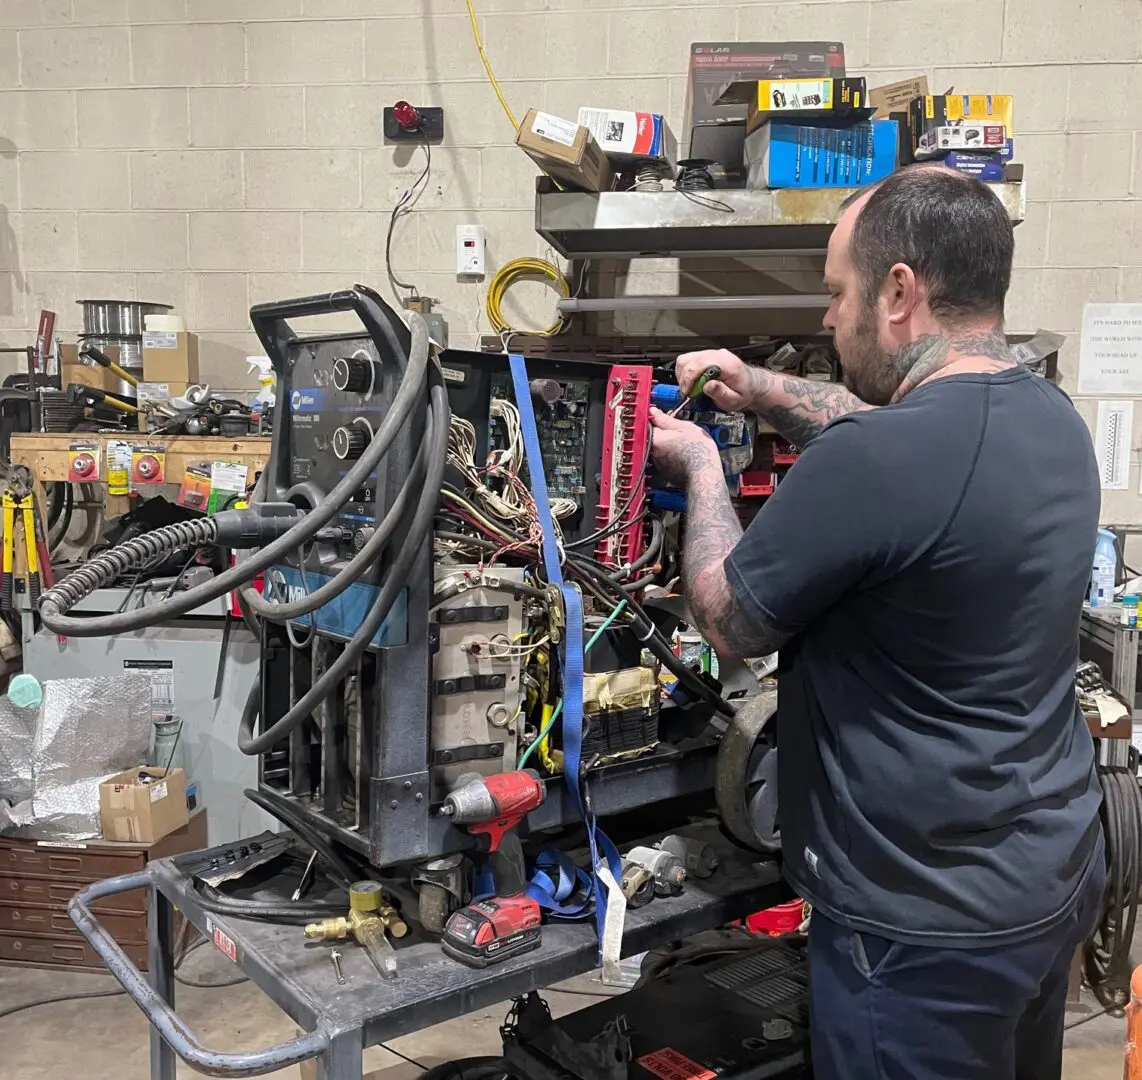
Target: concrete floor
[(106, 1038)]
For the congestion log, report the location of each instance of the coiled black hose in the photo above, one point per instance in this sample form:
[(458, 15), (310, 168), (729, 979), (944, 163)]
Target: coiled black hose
[(436, 434), (477, 1068), (110, 565), (411, 389), (1107, 954)]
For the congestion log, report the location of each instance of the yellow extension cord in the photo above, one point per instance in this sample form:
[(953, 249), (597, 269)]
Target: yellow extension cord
[(514, 271)]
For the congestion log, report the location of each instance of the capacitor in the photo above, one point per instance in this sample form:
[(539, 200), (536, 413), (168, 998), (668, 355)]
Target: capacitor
[(549, 391), (669, 873), (699, 858)]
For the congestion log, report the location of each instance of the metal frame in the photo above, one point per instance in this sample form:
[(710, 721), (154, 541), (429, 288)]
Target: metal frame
[(1105, 629), (340, 1021)]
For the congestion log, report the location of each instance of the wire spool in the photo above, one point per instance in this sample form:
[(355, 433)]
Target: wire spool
[(650, 176), (518, 270), (695, 175)]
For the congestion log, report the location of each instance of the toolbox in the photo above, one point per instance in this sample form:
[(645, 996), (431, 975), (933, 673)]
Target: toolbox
[(39, 877)]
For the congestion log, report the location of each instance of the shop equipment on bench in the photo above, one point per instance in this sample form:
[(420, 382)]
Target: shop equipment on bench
[(455, 552)]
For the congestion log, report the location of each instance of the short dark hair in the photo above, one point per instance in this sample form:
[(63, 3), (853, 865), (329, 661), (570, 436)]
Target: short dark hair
[(949, 228)]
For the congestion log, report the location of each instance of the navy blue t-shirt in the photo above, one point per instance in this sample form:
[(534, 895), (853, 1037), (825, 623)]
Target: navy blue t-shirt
[(936, 779)]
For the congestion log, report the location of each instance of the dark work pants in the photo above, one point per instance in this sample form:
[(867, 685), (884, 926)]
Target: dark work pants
[(883, 1010)]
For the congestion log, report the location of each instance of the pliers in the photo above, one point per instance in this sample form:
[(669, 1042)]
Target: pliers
[(19, 495)]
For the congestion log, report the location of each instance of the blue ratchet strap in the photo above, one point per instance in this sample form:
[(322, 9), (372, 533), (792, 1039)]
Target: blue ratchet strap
[(557, 885), (571, 646)]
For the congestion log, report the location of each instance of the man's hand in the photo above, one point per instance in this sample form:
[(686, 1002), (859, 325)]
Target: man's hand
[(734, 390), (679, 448)]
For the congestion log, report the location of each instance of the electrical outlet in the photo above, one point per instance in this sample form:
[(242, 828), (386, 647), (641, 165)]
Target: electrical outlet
[(470, 241)]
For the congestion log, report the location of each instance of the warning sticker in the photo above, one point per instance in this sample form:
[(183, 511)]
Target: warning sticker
[(161, 674), (222, 941), (669, 1064)]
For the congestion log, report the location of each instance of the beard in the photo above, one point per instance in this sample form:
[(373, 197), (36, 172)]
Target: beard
[(867, 368)]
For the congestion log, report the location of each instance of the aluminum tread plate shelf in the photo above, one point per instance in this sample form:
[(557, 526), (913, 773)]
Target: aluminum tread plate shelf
[(430, 988), (634, 224)]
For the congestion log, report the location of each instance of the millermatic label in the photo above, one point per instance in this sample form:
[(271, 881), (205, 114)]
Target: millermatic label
[(306, 400), (343, 615)]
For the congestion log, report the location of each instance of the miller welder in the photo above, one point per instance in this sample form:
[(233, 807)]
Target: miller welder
[(411, 639)]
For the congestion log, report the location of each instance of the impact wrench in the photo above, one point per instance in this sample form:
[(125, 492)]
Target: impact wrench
[(495, 928)]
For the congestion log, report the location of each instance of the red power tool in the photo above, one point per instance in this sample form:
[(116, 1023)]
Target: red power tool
[(498, 927)]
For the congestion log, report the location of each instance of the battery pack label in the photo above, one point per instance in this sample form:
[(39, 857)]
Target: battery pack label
[(668, 1064)]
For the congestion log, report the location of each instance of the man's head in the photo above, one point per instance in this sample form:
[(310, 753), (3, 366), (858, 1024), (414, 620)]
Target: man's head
[(926, 252)]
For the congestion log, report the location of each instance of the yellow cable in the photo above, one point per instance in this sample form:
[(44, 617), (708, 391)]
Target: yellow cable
[(508, 275), (488, 67)]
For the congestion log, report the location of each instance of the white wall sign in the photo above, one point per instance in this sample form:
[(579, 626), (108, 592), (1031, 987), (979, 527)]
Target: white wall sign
[(1112, 444), (1110, 353)]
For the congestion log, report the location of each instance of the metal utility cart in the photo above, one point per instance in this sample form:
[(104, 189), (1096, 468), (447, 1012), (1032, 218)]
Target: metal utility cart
[(339, 1022)]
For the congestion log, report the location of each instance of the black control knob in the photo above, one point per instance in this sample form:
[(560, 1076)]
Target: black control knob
[(350, 440), (354, 374)]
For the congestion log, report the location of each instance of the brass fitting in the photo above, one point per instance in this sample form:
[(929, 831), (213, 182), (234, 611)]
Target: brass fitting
[(367, 906)]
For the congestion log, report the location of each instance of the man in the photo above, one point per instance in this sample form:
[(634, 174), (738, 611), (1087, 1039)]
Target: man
[(921, 568)]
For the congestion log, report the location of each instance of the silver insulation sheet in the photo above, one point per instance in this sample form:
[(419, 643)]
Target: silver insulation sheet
[(86, 730)]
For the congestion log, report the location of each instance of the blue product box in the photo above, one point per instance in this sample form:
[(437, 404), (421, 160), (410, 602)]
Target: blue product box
[(804, 156), (985, 167)]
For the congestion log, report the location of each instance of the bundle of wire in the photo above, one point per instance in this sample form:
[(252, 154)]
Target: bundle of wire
[(1107, 960), (509, 500)]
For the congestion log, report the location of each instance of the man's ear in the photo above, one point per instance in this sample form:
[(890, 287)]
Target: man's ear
[(901, 294)]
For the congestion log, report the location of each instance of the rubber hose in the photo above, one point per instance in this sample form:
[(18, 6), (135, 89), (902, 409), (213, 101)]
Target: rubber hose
[(362, 561), (218, 903), (296, 821), (475, 1068), (111, 564), (395, 581), (411, 387)]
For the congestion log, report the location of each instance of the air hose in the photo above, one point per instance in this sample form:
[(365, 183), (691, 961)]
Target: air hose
[(103, 569)]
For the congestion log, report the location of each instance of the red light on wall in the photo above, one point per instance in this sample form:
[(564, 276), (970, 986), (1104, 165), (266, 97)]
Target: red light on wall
[(408, 116)]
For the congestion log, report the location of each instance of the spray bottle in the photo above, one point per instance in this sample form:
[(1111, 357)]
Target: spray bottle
[(1104, 570), (266, 397)]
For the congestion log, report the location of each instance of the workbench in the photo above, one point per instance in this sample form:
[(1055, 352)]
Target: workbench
[(339, 1022), (46, 454)]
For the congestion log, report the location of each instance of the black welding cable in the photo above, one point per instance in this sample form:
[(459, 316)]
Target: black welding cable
[(367, 557), (57, 601), (298, 822), (395, 582), (1107, 954), (474, 1068)]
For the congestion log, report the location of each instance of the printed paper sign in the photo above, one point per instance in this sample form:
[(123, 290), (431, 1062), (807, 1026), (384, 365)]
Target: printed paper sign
[(1110, 352)]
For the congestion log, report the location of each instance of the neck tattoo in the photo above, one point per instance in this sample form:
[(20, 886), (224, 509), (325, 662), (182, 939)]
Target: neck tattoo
[(925, 357)]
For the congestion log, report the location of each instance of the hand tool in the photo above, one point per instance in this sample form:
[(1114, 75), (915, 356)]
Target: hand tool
[(696, 388), (495, 928), (335, 956), (19, 495), (368, 919), (101, 359)]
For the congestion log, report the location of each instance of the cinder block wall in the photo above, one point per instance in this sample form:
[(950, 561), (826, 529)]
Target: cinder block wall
[(215, 153)]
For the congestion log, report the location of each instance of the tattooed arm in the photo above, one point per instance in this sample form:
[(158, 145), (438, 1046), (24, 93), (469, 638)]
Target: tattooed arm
[(797, 408), (688, 456)]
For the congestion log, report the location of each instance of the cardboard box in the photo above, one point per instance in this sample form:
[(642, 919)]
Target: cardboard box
[(958, 110), (986, 167), (565, 151), (629, 138), (136, 811), (896, 97), (158, 392), (799, 99), (981, 138), (716, 132), (170, 357), (74, 370), (800, 156)]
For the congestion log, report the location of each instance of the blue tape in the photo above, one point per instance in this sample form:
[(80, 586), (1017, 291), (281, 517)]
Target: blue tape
[(571, 648)]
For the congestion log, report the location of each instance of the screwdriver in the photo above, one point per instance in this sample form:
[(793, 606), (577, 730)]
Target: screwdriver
[(696, 389)]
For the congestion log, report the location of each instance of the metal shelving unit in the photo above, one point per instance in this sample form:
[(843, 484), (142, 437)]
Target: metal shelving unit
[(737, 222)]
